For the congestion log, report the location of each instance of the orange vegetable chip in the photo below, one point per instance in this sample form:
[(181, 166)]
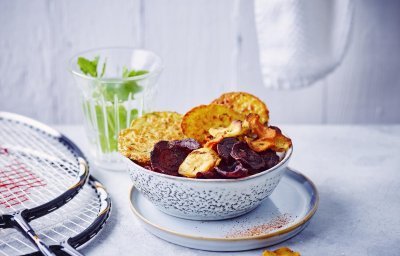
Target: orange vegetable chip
[(267, 137), (253, 123), (244, 103), (198, 121), (284, 251)]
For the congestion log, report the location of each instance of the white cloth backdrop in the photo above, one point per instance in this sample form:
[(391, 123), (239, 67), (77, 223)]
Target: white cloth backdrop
[(208, 47), (301, 41)]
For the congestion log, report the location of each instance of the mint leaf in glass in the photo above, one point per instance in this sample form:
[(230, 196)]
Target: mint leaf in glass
[(131, 73), (89, 67), (122, 90), (103, 69)]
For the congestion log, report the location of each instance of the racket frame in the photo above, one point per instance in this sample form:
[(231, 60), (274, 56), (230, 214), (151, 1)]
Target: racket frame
[(70, 246), (21, 219)]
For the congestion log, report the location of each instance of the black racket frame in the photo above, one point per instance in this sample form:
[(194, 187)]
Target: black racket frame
[(21, 219)]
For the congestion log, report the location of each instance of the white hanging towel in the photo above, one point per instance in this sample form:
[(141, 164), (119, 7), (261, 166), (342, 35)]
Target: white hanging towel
[(301, 41)]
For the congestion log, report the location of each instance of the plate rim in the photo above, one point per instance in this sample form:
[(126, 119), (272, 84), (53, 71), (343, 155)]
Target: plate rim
[(289, 229)]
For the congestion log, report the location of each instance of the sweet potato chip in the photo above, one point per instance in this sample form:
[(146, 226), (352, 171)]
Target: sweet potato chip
[(284, 251), (254, 124), (278, 143), (200, 160), (244, 103), (197, 122), (267, 137), (138, 141)]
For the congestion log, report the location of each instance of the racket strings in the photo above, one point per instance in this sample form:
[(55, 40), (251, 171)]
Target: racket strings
[(41, 144), (34, 166), (19, 246), (20, 186), (16, 180), (16, 184), (25, 135), (67, 221)]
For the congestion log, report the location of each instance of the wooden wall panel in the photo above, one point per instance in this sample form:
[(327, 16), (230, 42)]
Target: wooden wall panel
[(196, 40), (366, 87), (208, 47), (37, 38)]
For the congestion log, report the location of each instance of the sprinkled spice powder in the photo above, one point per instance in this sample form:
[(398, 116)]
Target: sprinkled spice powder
[(275, 224)]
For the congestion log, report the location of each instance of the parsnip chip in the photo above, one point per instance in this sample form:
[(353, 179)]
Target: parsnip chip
[(200, 160), (284, 251), (138, 141), (197, 122), (235, 129), (245, 103)]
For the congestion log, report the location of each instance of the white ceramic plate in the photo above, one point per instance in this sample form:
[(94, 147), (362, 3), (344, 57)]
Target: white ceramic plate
[(281, 216)]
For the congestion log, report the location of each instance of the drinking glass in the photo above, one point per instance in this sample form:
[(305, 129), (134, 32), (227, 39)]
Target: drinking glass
[(111, 99)]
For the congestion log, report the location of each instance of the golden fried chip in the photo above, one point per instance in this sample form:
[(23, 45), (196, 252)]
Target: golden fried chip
[(281, 143), (235, 129), (284, 251), (267, 137), (269, 253), (253, 123), (278, 143), (138, 141), (197, 122), (161, 119), (244, 103), (199, 160)]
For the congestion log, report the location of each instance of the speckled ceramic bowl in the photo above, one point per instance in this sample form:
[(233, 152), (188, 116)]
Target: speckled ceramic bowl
[(206, 199)]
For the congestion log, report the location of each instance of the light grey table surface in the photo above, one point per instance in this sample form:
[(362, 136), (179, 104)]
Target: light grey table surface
[(355, 168)]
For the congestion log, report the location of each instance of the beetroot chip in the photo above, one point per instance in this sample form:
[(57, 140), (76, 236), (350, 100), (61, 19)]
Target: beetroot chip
[(166, 159), (232, 171), (186, 144), (224, 148), (208, 175), (244, 154), (167, 156), (270, 158)]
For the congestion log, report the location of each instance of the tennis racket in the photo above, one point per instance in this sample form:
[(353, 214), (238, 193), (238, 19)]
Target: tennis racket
[(40, 170), (67, 228)]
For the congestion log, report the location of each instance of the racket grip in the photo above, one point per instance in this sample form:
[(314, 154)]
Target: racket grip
[(20, 223)]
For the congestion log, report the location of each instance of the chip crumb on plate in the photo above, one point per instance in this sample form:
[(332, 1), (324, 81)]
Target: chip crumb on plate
[(283, 251)]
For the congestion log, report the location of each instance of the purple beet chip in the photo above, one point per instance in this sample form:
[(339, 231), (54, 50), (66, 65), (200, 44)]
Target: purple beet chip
[(186, 144), (208, 175), (224, 148), (166, 159), (270, 158), (167, 156), (234, 170), (244, 154)]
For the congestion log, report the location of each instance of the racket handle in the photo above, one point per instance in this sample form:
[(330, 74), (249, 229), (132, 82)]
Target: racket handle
[(20, 223)]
